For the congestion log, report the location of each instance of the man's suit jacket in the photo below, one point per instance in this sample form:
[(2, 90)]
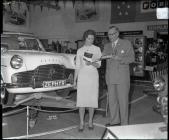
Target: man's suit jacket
[(117, 71)]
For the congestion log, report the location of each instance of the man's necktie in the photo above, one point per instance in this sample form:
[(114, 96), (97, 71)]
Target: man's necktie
[(113, 44), (114, 48)]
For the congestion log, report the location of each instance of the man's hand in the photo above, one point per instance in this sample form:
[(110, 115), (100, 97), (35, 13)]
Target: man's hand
[(106, 57), (88, 63), (115, 57), (95, 64)]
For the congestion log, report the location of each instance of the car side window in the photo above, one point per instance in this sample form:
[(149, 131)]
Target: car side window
[(22, 45), (11, 42), (32, 44)]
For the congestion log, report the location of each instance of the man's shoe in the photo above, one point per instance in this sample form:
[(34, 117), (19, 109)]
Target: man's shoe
[(109, 125)]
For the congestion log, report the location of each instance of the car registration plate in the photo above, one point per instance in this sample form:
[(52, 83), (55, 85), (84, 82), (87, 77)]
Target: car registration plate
[(55, 83)]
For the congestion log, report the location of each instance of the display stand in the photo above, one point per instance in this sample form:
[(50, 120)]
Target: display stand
[(39, 134), (27, 122), (40, 99), (137, 131)]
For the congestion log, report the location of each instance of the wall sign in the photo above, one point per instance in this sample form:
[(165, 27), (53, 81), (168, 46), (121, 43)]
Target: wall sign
[(152, 5), (123, 11), (131, 32), (157, 27), (162, 13), (86, 11), (139, 32), (15, 13), (101, 33)]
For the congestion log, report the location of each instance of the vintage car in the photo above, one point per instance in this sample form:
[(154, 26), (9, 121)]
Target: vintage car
[(27, 68)]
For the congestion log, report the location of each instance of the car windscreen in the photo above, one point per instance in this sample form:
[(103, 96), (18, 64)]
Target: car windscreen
[(19, 43)]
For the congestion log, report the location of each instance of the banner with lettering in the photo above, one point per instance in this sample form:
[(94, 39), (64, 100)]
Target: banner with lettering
[(134, 11), (147, 6)]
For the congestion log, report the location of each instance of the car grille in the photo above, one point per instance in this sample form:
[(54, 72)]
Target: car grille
[(42, 73)]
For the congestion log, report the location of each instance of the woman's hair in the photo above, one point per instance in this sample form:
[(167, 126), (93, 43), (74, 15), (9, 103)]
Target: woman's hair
[(89, 32)]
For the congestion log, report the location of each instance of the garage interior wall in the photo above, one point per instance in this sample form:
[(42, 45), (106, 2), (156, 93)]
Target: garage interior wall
[(60, 24), (11, 10)]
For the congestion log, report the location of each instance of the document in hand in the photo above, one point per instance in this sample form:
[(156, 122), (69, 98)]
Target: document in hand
[(88, 56), (104, 57)]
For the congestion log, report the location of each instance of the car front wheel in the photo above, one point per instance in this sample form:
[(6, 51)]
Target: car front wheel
[(6, 97)]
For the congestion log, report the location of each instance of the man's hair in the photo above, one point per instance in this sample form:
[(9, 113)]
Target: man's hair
[(116, 28), (89, 32)]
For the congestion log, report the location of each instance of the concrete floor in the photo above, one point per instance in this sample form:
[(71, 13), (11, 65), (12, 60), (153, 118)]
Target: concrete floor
[(65, 125)]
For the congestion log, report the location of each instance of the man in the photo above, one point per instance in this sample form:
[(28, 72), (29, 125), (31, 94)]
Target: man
[(118, 76)]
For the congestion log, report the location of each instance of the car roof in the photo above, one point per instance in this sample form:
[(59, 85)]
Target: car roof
[(8, 33)]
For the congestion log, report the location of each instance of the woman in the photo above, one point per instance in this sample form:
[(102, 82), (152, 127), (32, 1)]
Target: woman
[(87, 78)]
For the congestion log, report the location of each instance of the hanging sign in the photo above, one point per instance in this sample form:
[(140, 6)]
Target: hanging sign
[(152, 5)]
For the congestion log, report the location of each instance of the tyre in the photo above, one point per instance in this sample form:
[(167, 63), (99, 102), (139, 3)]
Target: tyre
[(6, 97)]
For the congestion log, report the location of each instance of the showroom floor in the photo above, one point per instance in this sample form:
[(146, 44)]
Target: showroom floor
[(65, 125)]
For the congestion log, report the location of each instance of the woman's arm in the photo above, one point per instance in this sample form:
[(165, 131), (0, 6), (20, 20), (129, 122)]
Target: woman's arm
[(77, 67), (75, 77), (96, 63)]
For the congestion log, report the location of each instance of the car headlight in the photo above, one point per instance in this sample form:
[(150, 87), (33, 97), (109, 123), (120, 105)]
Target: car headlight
[(16, 62), (159, 83), (3, 50)]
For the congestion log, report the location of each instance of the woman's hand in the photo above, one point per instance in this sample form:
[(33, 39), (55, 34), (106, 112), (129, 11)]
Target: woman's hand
[(92, 63), (88, 63), (95, 64)]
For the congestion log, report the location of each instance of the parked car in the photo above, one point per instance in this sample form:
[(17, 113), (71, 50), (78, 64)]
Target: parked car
[(27, 68)]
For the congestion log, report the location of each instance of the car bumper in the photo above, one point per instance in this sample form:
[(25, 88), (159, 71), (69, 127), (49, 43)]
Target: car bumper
[(21, 90)]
